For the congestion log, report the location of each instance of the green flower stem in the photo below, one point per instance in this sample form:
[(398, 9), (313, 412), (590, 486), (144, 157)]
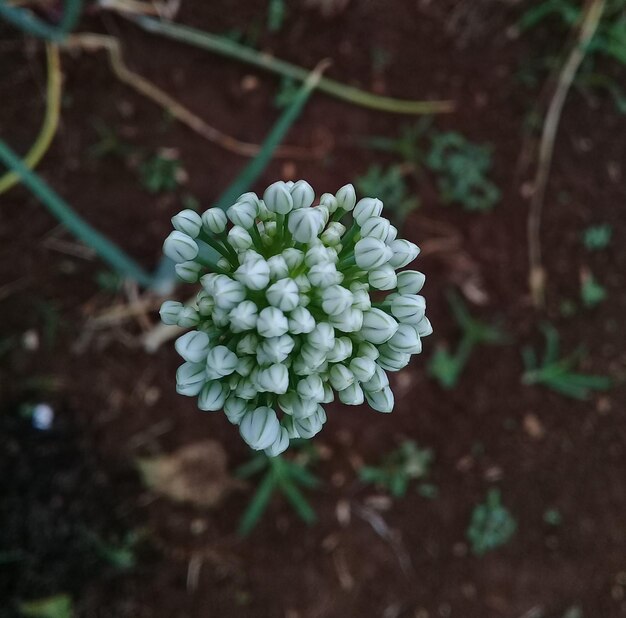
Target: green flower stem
[(229, 48), (231, 256), (381, 305), (108, 251), (257, 240), (349, 260), (347, 240), (281, 221), (27, 22), (205, 256), (338, 214)]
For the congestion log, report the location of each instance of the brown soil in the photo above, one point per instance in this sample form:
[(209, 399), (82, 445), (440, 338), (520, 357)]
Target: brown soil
[(115, 403)]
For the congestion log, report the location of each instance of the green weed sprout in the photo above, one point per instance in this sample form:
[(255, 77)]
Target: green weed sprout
[(399, 468), (281, 475), (284, 320), (461, 168), (597, 237), (446, 367), (592, 293), (491, 525), (160, 173), (556, 374), (390, 185)]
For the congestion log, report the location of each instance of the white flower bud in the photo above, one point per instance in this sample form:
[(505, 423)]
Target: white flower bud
[(311, 388), (243, 317), (190, 378), (274, 379), (193, 346), (305, 224), (363, 368), (205, 303), (188, 317), (325, 214), (249, 198), (220, 362), (213, 396), (239, 239), (404, 252), (378, 381), (278, 199), (329, 393), (311, 425), (336, 300), (283, 294), (250, 256), (368, 350), (331, 236), (378, 326), (220, 317), (247, 344), (371, 253), (383, 278), (223, 263), (302, 194), (390, 360), (180, 248), (408, 308), (340, 377), (346, 197), (254, 274), (189, 272), (381, 401), (361, 300), (227, 292), (376, 227), (303, 283), (318, 254), (169, 312), (246, 389), (406, 340), (280, 445), (214, 220), (352, 396), (277, 349), (312, 356), (272, 322), (278, 267), (392, 234), (235, 408), (323, 275), (245, 365), (260, 428), (350, 321), (424, 327), (341, 350), (293, 257), (322, 337), (330, 201), (410, 281), (242, 214), (304, 300), (300, 321), (366, 208), (188, 222)]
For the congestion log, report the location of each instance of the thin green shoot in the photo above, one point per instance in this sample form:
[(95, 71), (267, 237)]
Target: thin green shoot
[(592, 293), (597, 237), (406, 463), (446, 367), (558, 374), (161, 173), (491, 525)]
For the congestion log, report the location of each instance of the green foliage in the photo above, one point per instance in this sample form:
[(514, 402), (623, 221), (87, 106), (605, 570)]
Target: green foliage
[(591, 292), (287, 91), (408, 145), (408, 462), (597, 237), (553, 517), (160, 173), (491, 525), (389, 185), (446, 367), (109, 143), (556, 374), (108, 280), (280, 475), (461, 168), (276, 11), (120, 556), (58, 606)]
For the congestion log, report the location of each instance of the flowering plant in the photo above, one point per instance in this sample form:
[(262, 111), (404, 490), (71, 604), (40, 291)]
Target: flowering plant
[(285, 319)]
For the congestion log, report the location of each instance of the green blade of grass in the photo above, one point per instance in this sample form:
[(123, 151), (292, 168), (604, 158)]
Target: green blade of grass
[(24, 20), (108, 251), (231, 49), (297, 500), (257, 506)]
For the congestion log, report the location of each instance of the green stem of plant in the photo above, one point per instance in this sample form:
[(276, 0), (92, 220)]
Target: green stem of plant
[(27, 22), (226, 47), (346, 240), (107, 250), (231, 256)]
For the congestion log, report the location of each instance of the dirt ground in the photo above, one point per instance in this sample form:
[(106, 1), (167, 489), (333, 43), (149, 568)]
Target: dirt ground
[(367, 555)]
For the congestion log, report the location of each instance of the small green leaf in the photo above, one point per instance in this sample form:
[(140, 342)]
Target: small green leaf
[(58, 606)]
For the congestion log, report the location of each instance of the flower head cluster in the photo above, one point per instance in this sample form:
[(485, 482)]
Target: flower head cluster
[(285, 319)]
